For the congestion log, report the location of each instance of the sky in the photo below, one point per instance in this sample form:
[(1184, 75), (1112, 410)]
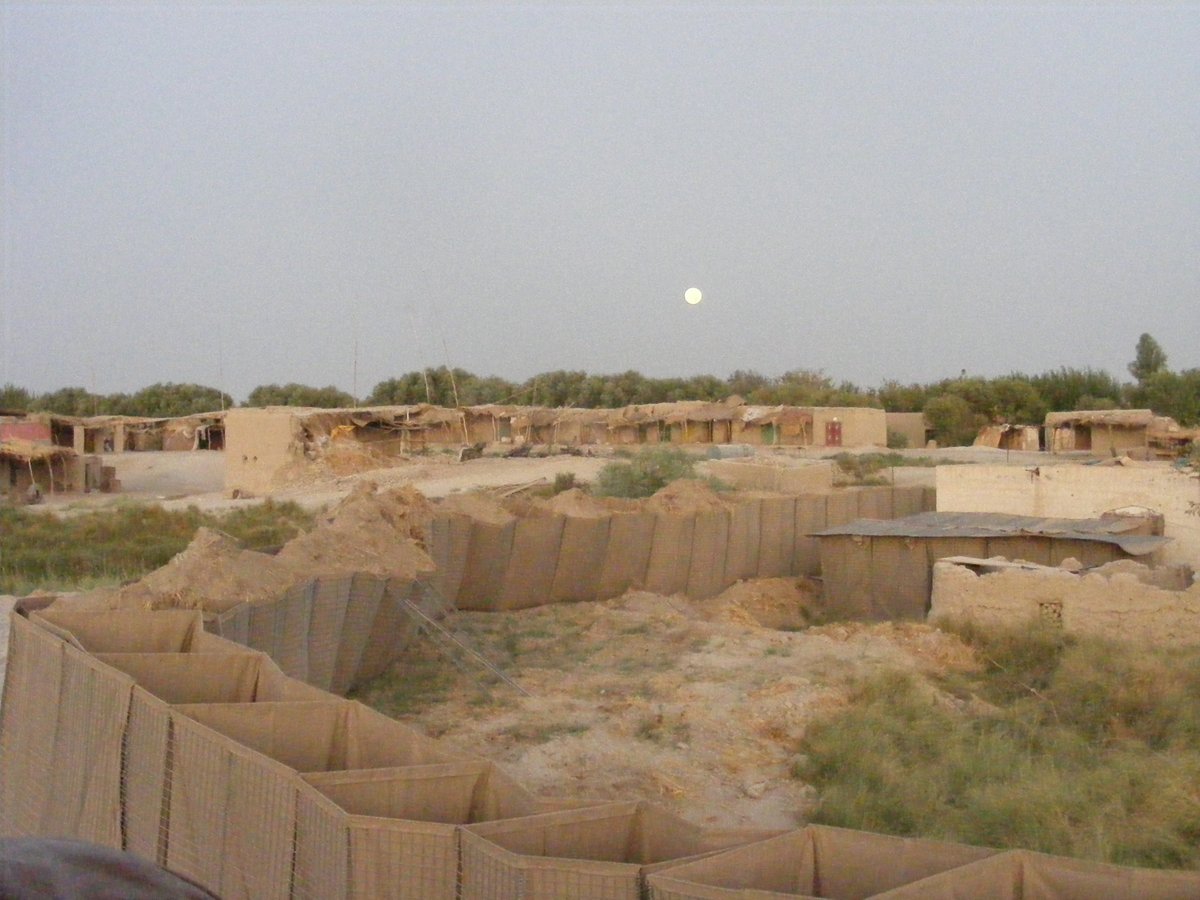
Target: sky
[(236, 194)]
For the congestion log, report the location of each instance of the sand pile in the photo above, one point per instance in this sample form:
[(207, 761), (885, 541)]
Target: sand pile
[(376, 532), (685, 496), (781, 603), (381, 533), (477, 506), (579, 504)]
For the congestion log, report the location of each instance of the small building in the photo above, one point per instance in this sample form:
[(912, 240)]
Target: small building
[(55, 470), (906, 429), (1102, 432), (877, 569), (1009, 437)]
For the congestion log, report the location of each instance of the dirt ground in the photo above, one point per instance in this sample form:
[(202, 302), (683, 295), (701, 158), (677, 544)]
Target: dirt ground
[(698, 706)]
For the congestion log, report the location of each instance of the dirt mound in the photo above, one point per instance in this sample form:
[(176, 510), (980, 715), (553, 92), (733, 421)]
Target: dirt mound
[(781, 603), (381, 533), (477, 506), (579, 504), (377, 532), (685, 496)]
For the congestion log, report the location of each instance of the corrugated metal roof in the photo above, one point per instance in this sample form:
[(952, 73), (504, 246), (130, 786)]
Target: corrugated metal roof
[(985, 525)]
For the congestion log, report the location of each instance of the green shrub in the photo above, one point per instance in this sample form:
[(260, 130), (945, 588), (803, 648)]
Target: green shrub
[(1086, 749), (650, 470), (897, 440)]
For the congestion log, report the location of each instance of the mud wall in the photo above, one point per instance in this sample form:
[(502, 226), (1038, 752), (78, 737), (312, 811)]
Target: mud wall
[(1081, 492), (534, 560), (862, 426), (258, 444), (910, 425), (749, 475), (1118, 601)]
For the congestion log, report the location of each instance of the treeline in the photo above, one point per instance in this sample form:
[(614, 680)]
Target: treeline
[(955, 407)]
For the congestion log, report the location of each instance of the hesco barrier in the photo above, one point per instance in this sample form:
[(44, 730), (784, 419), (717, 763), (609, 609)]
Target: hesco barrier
[(549, 558), (141, 731)]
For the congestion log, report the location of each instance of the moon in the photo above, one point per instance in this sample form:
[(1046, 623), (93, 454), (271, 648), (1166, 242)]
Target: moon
[(693, 296)]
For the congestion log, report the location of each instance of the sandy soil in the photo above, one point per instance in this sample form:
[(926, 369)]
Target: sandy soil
[(699, 706)]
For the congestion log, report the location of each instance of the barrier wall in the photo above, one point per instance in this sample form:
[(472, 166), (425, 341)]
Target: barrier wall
[(549, 558), (268, 788), (1118, 601)]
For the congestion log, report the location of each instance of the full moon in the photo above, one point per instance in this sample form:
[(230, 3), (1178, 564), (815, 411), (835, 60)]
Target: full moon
[(693, 296)]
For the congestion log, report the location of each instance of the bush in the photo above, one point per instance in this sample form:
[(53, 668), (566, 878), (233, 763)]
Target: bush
[(1086, 749), (650, 470), (897, 440)]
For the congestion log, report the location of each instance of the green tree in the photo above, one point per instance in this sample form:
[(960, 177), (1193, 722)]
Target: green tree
[(1148, 360), (293, 394), (15, 399), (1173, 394), (952, 419)]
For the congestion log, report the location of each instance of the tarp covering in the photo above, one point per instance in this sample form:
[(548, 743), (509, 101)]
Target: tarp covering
[(816, 861)]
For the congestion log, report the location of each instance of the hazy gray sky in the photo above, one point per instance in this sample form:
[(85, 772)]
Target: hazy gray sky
[(239, 194)]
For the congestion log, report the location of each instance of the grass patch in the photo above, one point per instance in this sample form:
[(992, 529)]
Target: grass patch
[(1080, 748), (528, 733), (90, 549)]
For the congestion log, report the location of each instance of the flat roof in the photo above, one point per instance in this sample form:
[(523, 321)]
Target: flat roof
[(987, 525)]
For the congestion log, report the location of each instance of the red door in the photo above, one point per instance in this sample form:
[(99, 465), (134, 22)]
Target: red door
[(833, 433)]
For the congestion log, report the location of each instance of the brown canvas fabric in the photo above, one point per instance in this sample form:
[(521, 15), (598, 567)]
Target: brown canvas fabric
[(487, 561), (180, 678), (321, 736), (437, 793), (331, 596), (816, 861), (391, 633), (1024, 875), (85, 802), (529, 573), (366, 592), (706, 575), (671, 554), (900, 579), (841, 507), (322, 867), (627, 559), (745, 529), (601, 851), (577, 576), (403, 860), (811, 517), (144, 776), (294, 616), (28, 726), (127, 630), (449, 540), (777, 537)]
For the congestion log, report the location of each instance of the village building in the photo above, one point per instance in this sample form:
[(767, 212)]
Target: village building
[(1009, 437)]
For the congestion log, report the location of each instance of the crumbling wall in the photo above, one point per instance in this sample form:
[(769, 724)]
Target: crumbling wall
[(1081, 492), (1120, 601)]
